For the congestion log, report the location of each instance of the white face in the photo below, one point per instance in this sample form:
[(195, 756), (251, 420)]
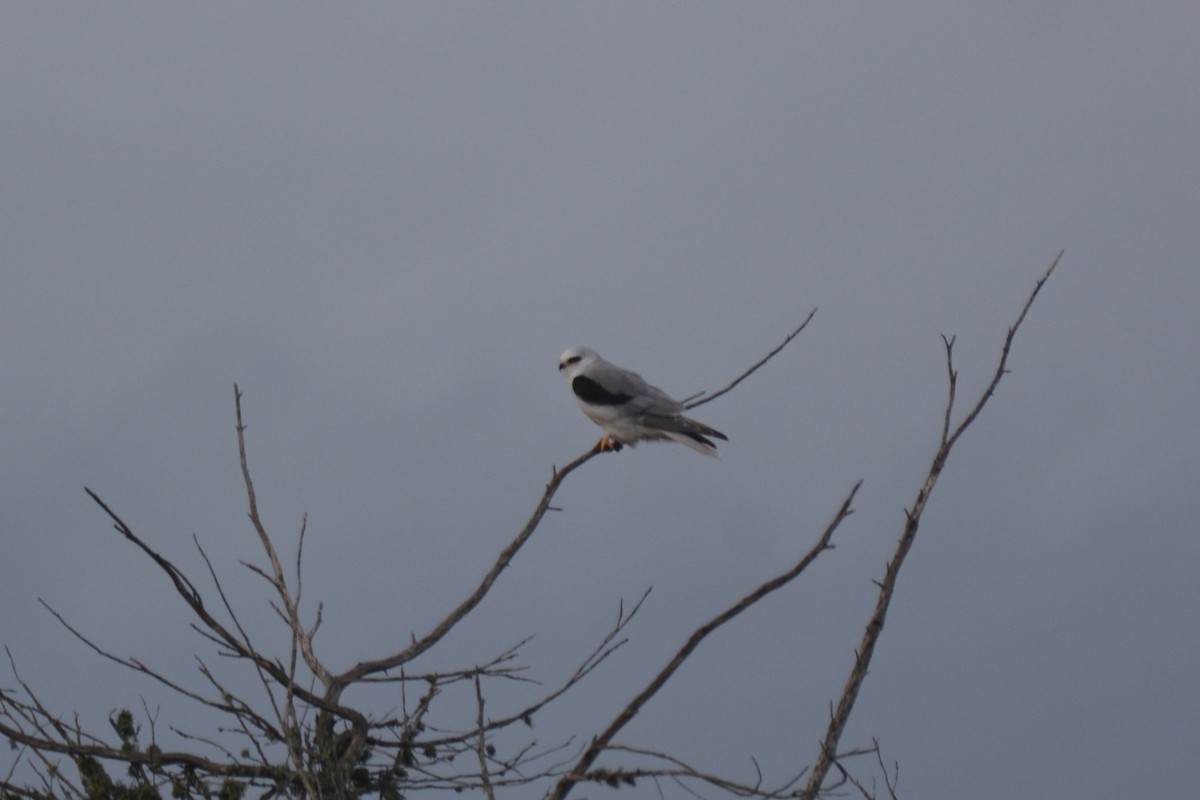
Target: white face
[(575, 360)]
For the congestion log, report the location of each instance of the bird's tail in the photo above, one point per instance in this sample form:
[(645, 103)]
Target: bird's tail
[(693, 434)]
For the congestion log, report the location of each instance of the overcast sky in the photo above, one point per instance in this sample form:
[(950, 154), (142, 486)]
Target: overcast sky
[(386, 222)]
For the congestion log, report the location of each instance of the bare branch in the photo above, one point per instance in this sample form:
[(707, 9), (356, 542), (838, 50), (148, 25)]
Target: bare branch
[(214, 629), (951, 384), (599, 654), (1002, 367), (365, 668), (138, 666), (290, 604), (706, 398), (890, 780), (598, 745), (681, 771), (481, 742), (75, 748), (866, 649)]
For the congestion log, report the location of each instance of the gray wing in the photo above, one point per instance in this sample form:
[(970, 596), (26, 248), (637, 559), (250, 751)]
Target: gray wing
[(643, 398)]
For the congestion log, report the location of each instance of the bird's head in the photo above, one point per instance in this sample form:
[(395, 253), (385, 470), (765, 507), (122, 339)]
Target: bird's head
[(575, 361)]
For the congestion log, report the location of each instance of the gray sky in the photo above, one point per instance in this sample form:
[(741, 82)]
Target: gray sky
[(387, 222)]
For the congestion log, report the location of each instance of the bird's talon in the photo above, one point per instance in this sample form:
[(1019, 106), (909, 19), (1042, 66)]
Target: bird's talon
[(607, 444)]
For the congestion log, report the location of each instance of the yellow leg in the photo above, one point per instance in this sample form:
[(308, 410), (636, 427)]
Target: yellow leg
[(606, 444)]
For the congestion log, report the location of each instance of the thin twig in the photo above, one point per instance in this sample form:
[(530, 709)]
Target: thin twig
[(481, 743), (607, 646), (683, 770), (278, 580), (213, 629), (706, 398)]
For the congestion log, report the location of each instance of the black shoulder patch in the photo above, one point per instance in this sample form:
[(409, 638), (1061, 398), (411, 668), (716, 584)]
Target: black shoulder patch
[(589, 391)]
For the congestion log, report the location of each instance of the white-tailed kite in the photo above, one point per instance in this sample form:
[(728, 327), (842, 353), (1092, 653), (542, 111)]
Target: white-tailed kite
[(629, 409)]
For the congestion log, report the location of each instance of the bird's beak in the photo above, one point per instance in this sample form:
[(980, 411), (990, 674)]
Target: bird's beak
[(560, 366)]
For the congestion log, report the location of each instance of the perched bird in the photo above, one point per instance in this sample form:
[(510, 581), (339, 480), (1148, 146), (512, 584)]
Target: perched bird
[(629, 409)]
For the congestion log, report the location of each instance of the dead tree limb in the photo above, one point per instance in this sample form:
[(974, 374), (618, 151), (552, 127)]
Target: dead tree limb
[(602, 741), (866, 649)]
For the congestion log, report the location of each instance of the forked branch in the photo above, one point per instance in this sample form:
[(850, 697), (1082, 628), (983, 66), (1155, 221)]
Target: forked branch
[(887, 587)]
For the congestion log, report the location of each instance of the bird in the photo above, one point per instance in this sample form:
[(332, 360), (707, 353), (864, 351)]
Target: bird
[(628, 409)]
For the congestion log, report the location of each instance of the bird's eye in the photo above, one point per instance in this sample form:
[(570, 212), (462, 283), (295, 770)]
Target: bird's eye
[(574, 359)]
